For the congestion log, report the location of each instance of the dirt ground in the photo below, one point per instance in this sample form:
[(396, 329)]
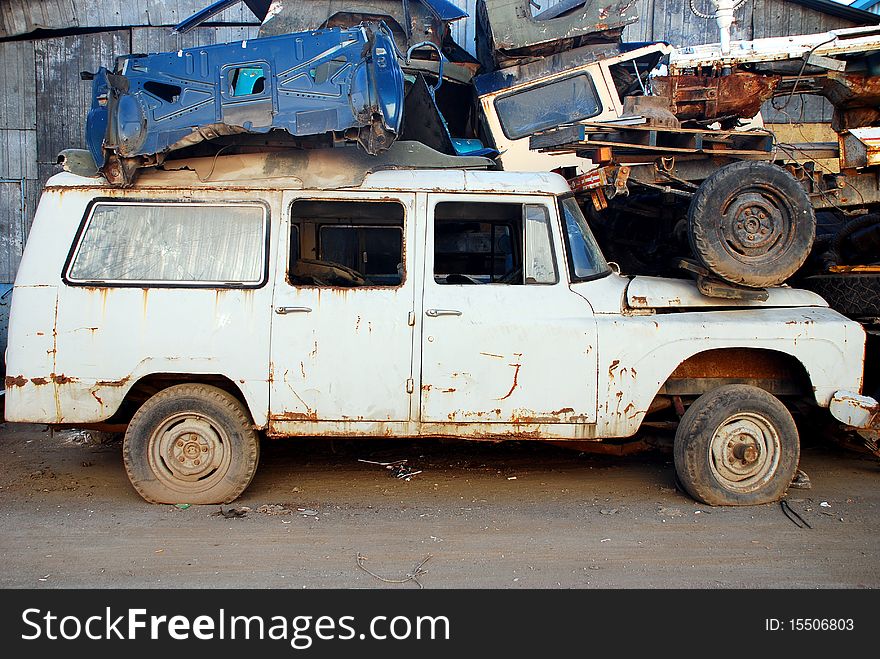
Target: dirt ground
[(512, 515)]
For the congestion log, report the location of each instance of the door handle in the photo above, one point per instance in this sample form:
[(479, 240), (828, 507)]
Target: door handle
[(433, 313), (286, 310)]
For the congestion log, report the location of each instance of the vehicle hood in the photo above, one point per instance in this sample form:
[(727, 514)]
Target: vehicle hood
[(664, 293)]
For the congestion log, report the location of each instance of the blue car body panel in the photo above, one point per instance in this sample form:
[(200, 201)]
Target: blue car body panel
[(304, 83)]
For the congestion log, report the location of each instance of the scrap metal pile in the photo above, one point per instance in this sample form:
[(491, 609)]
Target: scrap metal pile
[(655, 141)]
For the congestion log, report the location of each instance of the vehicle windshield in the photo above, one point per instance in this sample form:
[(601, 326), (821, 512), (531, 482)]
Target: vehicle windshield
[(585, 260), (547, 106)]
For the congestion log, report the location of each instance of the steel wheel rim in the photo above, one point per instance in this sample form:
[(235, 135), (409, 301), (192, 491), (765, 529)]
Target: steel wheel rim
[(744, 452), (756, 222), (189, 453)]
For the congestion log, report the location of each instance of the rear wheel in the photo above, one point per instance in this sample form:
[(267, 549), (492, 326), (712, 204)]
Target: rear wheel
[(736, 445), (751, 223), (191, 443)]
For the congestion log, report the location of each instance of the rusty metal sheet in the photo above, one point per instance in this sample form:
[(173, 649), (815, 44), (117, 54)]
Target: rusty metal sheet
[(509, 27), (739, 94), (855, 99), (320, 169), (410, 22)]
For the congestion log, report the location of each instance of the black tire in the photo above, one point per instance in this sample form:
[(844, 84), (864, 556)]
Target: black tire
[(736, 445), (751, 223), (854, 295), (191, 443)]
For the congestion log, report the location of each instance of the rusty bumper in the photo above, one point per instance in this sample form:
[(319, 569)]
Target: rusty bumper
[(859, 412)]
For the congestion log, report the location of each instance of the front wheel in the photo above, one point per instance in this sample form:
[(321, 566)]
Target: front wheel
[(736, 445), (191, 443)]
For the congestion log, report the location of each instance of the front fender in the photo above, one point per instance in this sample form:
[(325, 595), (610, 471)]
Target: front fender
[(637, 354)]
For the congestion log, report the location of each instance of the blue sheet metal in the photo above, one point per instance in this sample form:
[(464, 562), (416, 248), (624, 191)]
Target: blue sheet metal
[(444, 10), (304, 83)]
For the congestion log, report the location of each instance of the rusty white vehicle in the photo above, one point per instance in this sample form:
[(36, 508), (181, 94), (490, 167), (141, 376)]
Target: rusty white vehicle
[(294, 294)]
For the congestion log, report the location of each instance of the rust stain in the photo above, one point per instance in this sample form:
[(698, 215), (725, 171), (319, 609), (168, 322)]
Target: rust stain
[(489, 354), (314, 350), (564, 410), (113, 383), (426, 387), (611, 368), (640, 299), (357, 324), (15, 381), (516, 366), (734, 363), (446, 391), (61, 378), (146, 295), (311, 415), (39, 381), (95, 395), (302, 370)]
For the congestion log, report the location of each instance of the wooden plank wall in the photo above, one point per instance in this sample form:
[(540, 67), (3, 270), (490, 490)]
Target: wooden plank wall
[(19, 179), (44, 106), (25, 16)]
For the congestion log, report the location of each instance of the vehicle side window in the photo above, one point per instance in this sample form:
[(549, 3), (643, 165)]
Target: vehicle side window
[(492, 243), (346, 243), (179, 244)]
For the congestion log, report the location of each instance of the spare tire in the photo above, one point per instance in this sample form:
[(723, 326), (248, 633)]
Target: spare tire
[(751, 223)]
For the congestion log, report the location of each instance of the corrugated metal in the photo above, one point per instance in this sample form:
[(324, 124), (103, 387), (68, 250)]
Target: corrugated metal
[(24, 16)]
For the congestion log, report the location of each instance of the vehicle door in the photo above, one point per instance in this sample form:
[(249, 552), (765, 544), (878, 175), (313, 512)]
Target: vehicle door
[(505, 341), (342, 334)]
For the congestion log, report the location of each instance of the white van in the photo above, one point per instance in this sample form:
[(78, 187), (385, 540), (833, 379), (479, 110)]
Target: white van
[(294, 294)]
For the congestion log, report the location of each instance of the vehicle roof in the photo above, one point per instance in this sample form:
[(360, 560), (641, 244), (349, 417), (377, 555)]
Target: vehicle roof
[(320, 169)]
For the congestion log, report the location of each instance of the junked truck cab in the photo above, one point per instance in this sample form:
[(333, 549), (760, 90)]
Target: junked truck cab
[(305, 294)]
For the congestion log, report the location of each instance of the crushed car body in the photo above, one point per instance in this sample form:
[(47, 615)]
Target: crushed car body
[(334, 81)]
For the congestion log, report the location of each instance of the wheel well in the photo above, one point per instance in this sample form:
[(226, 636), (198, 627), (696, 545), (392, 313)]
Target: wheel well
[(777, 373), (152, 384)]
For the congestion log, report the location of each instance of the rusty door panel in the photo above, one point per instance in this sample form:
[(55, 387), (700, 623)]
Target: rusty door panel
[(348, 358), (519, 355)]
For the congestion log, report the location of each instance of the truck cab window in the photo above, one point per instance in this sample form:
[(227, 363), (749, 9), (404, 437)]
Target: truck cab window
[(492, 243), (346, 243)]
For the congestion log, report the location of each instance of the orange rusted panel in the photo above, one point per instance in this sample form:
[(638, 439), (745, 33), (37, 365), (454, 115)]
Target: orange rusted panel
[(739, 94)]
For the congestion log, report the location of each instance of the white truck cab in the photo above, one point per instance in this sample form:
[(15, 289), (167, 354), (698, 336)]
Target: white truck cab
[(284, 294)]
